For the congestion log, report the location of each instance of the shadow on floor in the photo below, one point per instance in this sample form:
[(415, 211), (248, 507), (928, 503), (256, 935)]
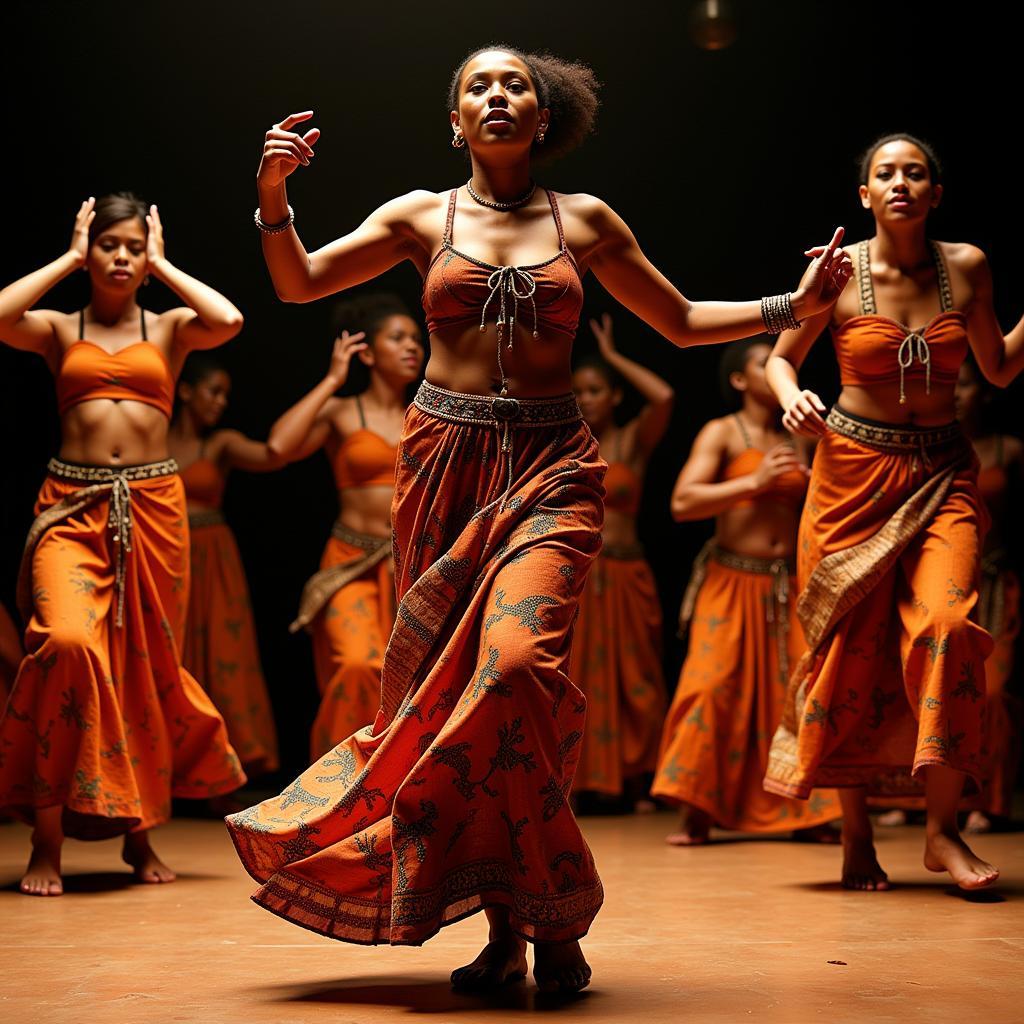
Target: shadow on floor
[(426, 996), (997, 894)]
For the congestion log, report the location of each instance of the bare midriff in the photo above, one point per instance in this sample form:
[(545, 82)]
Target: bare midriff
[(367, 509), (763, 529), (619, 529), (108, 432), (881, 402)]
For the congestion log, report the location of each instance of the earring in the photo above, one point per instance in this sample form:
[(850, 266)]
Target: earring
[(540, 137), (458, 141), (145, 281)]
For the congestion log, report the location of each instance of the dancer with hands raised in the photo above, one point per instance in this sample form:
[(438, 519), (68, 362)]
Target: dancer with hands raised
[(454, 800)]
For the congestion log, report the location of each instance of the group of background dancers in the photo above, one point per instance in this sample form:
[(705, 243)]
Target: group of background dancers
[(849, 634)]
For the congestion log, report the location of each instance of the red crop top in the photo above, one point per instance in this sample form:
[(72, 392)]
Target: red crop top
[(874, 349), (460, 289), (138, 373)]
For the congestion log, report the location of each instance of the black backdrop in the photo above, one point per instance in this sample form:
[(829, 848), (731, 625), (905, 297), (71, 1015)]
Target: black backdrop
[(725, 164)]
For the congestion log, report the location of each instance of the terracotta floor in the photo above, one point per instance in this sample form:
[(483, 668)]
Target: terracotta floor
[(743, 930)]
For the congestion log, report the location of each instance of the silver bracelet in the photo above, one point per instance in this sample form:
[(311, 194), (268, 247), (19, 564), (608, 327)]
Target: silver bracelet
[(274, 229), (777, 314)]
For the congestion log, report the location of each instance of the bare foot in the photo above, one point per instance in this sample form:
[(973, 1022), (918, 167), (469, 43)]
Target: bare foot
[(501, 961), (42, 876), (560, 967), (147, 866), (944, 852), (861, 869), (892, 819), (824, 834), (645, 806), (978, 822), (694, 830)]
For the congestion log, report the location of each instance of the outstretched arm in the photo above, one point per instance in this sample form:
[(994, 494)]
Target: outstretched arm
[(1000, 357), (382, 240), (305, 427), (626, 272), (33, 330), (231, 449), (649, 427)]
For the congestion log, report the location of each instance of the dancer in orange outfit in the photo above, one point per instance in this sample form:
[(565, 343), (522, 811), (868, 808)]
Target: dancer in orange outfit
[(349, 604), (1001, 459), (892, 691), (616, 652), (744, 470), (454, 800), (220, 648), (11, 653), (103, 725)]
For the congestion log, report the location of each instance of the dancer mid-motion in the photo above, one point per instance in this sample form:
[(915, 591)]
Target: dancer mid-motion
[(349, 604), (892, 690), (220, 648), (616, 651), (103, 725), (744, 470), (455, 799)]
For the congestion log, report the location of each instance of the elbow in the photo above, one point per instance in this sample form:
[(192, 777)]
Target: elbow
[(234, 322), (680, 508)]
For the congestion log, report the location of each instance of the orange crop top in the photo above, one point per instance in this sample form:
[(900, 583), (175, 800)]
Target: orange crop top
[(204, 482), (364, 458), (874, 349), (138, 373), (789, 488), (460, 289), (622, 489)]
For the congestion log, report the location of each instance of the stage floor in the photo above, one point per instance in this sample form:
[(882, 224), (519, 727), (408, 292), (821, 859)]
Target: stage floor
[(742, 930)]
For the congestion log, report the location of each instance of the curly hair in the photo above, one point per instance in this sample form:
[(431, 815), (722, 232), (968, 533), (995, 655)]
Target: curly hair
[(567, 88), (366, 312), (934, 164), (113, 209)]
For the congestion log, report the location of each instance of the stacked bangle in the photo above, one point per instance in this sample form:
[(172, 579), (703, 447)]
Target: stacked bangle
[(274, 229), (777, 314)]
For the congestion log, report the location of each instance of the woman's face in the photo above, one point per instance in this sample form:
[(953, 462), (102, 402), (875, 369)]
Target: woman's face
[(207, 399), (498, 104), (396, 350), (117, 257), (753, 381), (596, 396), (967, 394), (899, 186)]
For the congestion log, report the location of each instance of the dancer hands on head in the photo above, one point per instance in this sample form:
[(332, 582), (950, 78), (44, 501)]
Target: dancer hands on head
[(345, 347), (79, 247)]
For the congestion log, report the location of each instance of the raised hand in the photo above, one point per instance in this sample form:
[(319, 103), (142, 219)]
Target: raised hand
[(826, 277), (79, 247), (284, 150), (154, 238), (803, 415), (602, 331), (345, 348)]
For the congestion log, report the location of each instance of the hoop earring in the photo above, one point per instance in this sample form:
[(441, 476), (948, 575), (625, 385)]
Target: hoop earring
[(458, 140)]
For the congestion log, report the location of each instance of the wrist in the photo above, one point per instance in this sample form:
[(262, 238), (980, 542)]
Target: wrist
[(273, 202), (157, 267), (799, 302), (71, 260)]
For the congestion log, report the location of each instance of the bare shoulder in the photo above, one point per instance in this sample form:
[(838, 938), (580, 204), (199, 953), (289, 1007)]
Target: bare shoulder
[(585, 207), (1013, 448), (715, 433), (967, 258)]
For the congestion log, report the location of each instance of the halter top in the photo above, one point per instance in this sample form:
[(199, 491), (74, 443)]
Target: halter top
[(788, 488), (364, 458), (873, 349), (204, 482), (460, 289), (138, 372)]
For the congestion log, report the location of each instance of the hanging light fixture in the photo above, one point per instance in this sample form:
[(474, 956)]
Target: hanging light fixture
[(712, 24)]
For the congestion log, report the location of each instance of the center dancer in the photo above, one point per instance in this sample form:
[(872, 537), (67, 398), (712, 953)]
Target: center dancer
[(454, 800)]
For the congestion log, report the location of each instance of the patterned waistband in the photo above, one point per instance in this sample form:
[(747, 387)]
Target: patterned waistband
[(487, 410), (77, 473), (748, 563), (364, 541), (206, 517), (887, 437)]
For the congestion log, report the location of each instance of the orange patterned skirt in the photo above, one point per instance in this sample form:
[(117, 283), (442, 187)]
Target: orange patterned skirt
[(102, 718), (220, 642), (714, 751), (455, 798), (616, 662), (888, 561)]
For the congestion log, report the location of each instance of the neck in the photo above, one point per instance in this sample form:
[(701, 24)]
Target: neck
[(385, 394), (503, 182), (904, 247), (109, 308), (764, 416), (184, 427)]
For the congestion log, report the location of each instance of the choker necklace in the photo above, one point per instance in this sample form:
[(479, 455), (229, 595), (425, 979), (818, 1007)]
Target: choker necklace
[(512, 205)]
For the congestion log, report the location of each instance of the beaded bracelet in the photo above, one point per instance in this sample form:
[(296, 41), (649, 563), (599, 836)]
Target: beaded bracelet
[(274, 229), (777, 314)]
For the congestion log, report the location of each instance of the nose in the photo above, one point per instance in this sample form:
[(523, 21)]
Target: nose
[(497, 98), (121, 255)]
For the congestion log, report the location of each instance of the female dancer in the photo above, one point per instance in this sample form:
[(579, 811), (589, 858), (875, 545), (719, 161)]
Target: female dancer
[(349, 604), (616, 651), (455, 799), (744, 470), (890, 539), (103, 725), (220, 647), (1001, 460)]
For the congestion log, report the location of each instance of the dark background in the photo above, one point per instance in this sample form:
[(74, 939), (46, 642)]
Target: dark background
[(725, 164)]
